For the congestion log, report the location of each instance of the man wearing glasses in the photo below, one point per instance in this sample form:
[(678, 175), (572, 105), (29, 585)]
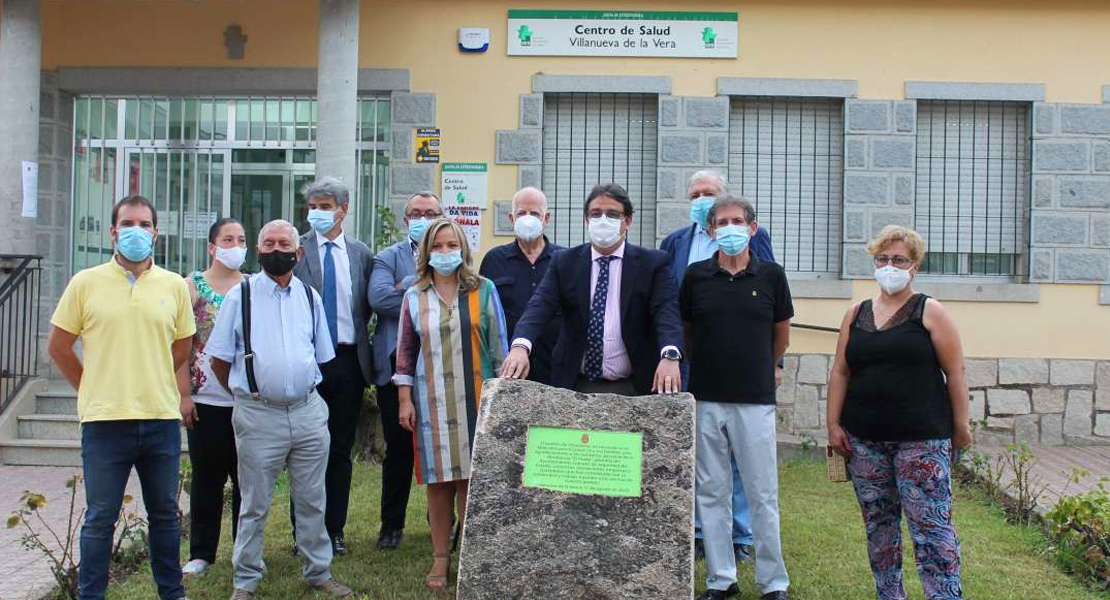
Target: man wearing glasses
[(394, 271), (620, 331)]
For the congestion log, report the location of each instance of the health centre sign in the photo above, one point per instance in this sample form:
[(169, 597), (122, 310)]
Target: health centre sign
[(623, 33)]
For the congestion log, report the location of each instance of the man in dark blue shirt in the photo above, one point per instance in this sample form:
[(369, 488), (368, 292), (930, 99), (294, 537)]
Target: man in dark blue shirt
[(517, 269)]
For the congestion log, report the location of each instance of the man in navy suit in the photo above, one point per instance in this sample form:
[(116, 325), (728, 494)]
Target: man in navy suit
[(685, 247), (620, 332)]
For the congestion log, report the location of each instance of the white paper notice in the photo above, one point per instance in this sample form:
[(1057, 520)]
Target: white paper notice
[(30, 189)]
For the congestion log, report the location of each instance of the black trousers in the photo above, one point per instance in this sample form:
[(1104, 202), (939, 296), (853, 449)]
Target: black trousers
[(398, 464), (341, 389), (212, 452)]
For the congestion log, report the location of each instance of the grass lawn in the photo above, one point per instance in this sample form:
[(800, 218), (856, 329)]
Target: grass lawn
[(822, 534)]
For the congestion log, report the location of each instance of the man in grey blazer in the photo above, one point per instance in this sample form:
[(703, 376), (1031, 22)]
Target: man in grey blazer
[(394, 272), (338, 266)]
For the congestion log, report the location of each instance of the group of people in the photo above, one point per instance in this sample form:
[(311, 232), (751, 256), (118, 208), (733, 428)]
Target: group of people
[(267, 372)]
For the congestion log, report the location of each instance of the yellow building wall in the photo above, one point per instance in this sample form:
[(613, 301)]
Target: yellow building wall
[(881, 44)]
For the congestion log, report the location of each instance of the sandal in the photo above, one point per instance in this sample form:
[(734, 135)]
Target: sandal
[(438, 582)]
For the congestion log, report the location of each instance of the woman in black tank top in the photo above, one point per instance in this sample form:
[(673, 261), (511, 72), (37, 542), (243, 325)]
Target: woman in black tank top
[(898, 409)]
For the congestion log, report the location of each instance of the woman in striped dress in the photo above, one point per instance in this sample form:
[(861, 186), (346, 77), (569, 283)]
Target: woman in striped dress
[(451, 338)]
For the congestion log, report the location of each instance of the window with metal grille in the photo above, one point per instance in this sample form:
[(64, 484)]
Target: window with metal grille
[(599, 138), (786, 158), (973, 186)]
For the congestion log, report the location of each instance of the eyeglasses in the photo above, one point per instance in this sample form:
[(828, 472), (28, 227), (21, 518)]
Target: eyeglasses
[(612, 214), (428, 214), (901, 262)]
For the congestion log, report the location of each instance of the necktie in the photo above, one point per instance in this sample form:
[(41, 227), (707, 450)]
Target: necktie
[(329, 294), (595, 331)]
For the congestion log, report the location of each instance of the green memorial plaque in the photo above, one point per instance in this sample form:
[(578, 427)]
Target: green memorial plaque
[(578, 461)]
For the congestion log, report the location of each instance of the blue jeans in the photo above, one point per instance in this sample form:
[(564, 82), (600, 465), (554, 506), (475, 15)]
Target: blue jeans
[(109, 450), (741, 515)]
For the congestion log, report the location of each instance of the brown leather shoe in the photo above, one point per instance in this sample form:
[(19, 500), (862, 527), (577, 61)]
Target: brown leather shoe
[(333, 588)]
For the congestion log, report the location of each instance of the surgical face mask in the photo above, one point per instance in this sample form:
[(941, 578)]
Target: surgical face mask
[(699, 209), (733, 239), (892, 279), (604, 231), (322, 221), (417, 227), (277, 262), (528, 227), (231, 258), (445, 263), (135, 243)]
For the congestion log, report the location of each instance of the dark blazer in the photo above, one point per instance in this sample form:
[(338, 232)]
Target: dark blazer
[(649, 312), (677, 247), (362, 263)]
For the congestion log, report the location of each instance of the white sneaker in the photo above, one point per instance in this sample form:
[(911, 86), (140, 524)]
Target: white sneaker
[(196, 566)]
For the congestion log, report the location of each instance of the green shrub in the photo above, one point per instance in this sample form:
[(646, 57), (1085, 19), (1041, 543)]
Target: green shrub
[(1080, 528)]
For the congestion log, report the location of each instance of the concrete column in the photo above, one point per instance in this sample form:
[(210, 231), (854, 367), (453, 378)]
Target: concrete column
[(20, 63), (337, 93)]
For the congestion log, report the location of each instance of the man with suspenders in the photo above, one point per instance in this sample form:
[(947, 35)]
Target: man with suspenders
[(266, 346)]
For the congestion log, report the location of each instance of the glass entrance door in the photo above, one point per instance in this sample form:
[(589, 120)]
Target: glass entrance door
[(189, 189), (257, 199)]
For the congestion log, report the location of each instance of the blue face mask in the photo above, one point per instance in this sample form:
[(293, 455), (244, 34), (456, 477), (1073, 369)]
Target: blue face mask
[(699, 209), (322, 221), (417, 227), (135, 243), (733, 239), (446, 263)]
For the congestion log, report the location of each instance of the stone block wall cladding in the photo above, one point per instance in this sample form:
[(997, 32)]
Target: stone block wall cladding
[(53, 223), (524, 146), (693, 135), (406, 178), (879, 167), (1049, 402), (1070, 229)]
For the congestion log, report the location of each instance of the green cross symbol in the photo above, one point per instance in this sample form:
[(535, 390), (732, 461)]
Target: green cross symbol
[(524, 33), (708, 36)]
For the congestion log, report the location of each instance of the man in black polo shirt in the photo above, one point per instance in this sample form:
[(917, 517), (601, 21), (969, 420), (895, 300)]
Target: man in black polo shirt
[(736, 312), (517, 269)]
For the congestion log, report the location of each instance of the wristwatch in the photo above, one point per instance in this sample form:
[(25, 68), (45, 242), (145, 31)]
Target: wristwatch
[(671, 354)]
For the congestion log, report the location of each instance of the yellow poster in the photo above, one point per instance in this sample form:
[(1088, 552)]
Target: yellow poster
[(427, 145)]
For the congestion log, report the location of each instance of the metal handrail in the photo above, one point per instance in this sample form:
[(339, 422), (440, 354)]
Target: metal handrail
[(20, 299), (815, 327)]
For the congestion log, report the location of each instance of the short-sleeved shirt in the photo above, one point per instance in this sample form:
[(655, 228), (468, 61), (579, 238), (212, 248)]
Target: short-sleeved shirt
[(127, 327), (732, 320), (289, 339)]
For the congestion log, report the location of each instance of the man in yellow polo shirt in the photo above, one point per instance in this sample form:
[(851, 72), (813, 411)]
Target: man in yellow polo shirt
[(136, 328)]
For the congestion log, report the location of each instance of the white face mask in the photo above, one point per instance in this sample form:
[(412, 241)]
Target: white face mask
[(892, 279), (232, 258), (528, 227), (604, 231)]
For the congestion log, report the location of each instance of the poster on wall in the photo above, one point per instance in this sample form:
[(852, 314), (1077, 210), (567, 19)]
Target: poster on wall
[(469, 217), (623, 33), (427, 145), (464, 183)]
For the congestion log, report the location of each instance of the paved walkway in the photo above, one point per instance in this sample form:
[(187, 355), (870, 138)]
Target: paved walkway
[(25, 574), (1054, 469)]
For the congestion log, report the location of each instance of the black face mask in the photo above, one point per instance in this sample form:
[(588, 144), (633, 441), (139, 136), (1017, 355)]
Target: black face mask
[(277, 263)]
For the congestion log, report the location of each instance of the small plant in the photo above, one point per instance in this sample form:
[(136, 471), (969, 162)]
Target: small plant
[(1080, 527), (808, 443), (1027, 488), (59, 548), (184, 483), (130, 531)]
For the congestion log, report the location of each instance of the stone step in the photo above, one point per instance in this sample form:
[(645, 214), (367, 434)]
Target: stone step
[(56, 403), (46, 453), (41, 453), (49, 427)]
